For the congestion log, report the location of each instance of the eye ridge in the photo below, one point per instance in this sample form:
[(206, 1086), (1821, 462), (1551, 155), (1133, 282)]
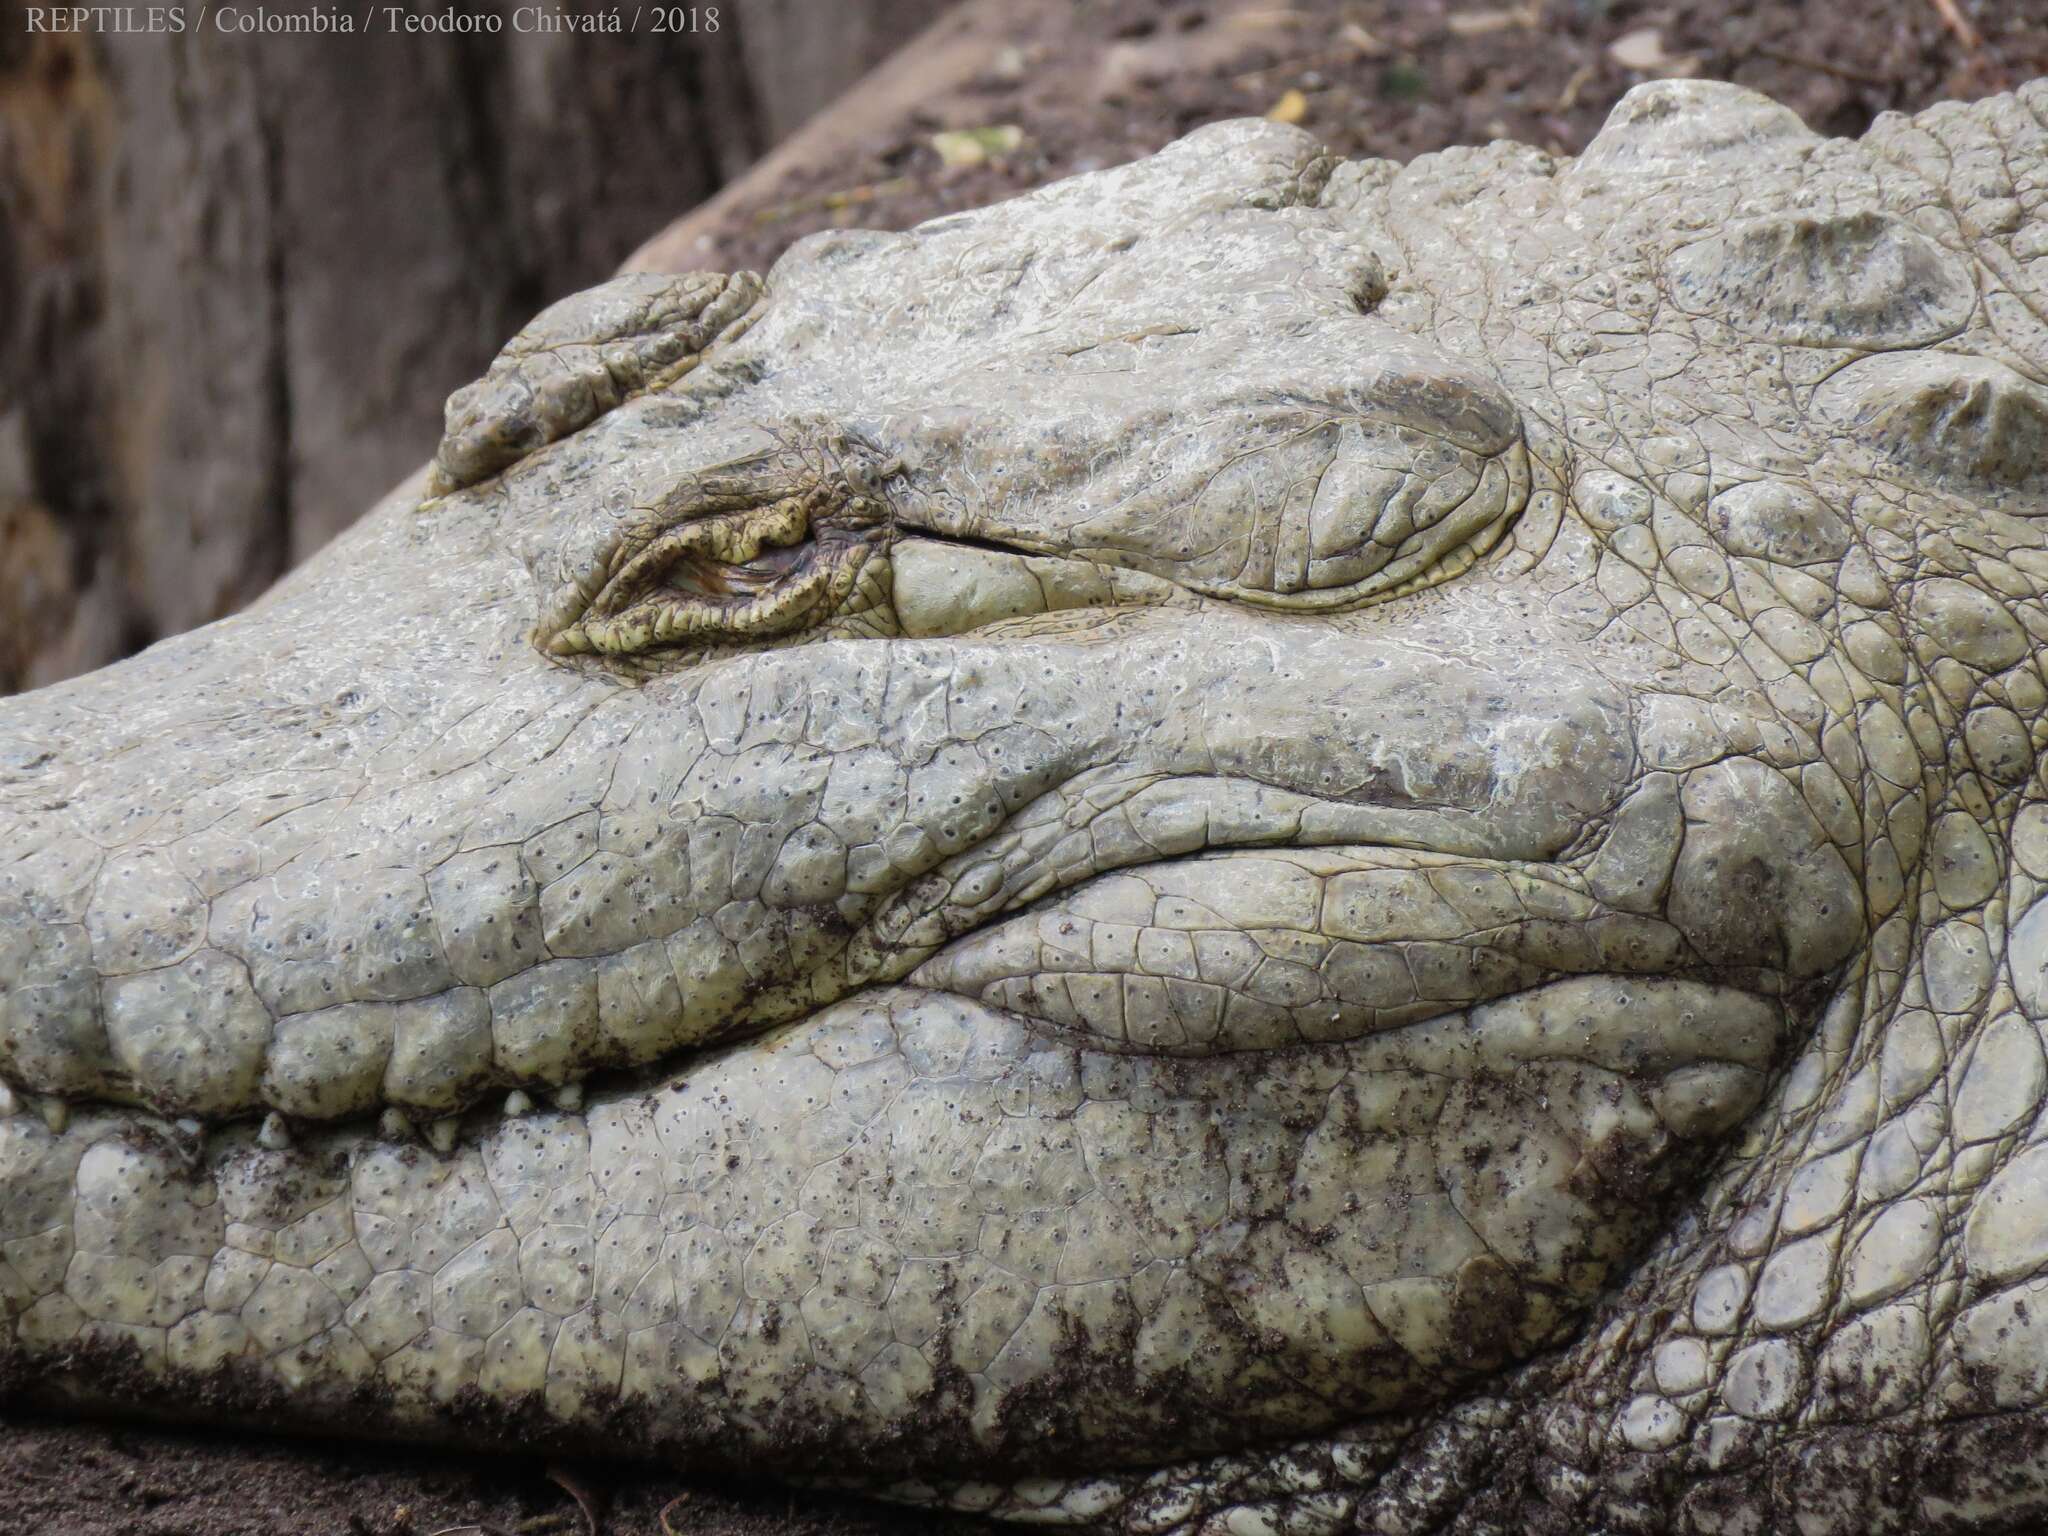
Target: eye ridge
[(768, 549)]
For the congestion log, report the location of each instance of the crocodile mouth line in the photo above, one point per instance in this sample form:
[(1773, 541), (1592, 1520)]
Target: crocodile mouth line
[(1355, 942)]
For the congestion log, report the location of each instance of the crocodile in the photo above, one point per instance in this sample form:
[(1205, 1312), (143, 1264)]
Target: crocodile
[(1253, 844)]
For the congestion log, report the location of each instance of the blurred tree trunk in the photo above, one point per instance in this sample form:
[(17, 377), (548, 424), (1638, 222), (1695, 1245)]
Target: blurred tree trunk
[(239, 274)]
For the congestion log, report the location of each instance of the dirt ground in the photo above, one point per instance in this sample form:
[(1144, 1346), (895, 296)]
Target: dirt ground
[(1113, 81), (75, 1479)]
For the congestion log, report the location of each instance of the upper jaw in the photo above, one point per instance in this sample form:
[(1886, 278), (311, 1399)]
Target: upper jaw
[(370, 810)]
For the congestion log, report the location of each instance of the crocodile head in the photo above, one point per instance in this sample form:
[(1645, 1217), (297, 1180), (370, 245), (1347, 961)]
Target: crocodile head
[(1250, 839)]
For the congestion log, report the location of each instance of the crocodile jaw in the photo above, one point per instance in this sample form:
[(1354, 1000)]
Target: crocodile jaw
[(1777, 574)]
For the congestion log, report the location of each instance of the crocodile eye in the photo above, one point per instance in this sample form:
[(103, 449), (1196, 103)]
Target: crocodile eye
[(746, 557)]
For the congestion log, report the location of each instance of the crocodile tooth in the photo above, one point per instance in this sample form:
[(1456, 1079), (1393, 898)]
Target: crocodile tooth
[(393, 1125), (9, 1103), (518, 1102), (274, 1134), (56, 1114), (441, 1133), (569, 1096)]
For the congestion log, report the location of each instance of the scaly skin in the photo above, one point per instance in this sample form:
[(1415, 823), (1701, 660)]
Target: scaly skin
[(1249, 845)]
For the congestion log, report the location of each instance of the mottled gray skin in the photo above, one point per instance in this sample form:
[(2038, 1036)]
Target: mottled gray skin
[(1250, 845)]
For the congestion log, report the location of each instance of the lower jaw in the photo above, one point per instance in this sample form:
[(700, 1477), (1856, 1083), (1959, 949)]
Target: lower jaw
[(909, 1233)]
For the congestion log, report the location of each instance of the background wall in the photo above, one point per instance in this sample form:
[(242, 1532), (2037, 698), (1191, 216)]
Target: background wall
[(238, 275)]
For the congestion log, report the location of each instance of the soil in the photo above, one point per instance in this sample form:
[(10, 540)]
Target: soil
[(76, 1479), (1108, 82)]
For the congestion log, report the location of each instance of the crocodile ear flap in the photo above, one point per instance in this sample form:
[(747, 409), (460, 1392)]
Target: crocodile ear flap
[(584, 356)]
